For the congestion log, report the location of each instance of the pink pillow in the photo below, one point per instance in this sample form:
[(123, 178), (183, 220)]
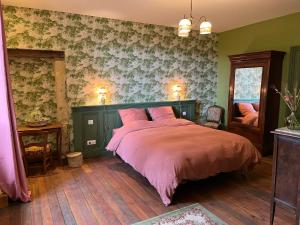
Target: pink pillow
[(256, 106), (245, 108), (132, 114), (161, 113)]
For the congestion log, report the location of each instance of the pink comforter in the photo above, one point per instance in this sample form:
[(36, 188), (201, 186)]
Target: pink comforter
[(172, 151)]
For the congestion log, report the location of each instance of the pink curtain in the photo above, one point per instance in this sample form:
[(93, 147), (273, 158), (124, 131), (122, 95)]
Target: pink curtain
[(12, 174)]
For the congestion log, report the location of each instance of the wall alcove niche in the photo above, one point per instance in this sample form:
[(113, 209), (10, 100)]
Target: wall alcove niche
[(38, 80)]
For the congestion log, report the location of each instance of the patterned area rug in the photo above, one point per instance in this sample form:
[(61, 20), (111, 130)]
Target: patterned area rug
[(191, 215)]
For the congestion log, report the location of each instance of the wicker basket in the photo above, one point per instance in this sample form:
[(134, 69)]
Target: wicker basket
[(74, 159)]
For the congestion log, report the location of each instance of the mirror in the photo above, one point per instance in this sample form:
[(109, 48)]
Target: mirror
[(246, 100)]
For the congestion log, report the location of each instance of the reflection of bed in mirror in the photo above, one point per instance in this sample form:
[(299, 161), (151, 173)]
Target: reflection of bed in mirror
[(246, 111), (247, 86), (253, 107)]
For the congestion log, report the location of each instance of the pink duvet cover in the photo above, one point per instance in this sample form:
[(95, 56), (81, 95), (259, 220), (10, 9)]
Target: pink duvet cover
[(170, 152)]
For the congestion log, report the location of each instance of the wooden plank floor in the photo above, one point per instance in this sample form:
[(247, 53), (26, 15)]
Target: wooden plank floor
[(108, 191)]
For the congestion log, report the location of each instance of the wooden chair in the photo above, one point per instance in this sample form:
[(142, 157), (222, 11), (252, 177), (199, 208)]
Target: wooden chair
[(37, 154), (214, 117)]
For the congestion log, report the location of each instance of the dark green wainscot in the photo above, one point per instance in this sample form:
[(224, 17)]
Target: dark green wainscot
[(93, 125)]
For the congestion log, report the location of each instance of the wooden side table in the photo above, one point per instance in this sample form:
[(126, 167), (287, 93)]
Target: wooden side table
[(286, 172), (54, 127)]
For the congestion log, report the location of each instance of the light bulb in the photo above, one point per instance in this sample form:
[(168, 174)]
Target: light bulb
[(205, 27)]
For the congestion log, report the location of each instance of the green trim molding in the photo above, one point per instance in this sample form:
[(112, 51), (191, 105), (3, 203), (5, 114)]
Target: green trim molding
[(276, 34), (96, 123)]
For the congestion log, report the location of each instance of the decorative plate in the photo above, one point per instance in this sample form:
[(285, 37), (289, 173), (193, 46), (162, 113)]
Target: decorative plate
[(38, 123)]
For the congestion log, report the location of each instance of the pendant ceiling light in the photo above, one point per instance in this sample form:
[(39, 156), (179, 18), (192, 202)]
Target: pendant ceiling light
[(185, 25)]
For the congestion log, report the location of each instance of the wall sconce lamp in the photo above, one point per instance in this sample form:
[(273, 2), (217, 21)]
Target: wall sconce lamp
[(102, 95), (176, 90)]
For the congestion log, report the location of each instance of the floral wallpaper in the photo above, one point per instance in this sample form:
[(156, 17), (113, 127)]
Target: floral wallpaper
[(247, 83), (135, 62), (33, 85)]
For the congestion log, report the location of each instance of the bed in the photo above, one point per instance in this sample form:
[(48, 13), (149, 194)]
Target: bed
[(171, 151), (246, 113), (251, 119)]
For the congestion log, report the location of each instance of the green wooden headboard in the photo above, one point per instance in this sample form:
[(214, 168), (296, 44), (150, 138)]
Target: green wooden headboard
[(93, 125)]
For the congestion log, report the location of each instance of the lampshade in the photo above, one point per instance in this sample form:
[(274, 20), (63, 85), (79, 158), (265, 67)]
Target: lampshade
[(102, 95), (176, 88), (185, 25), (102, 91), (205, 27), (183, 33)]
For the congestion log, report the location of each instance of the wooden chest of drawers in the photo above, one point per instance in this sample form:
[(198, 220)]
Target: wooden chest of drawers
[(286, 172)]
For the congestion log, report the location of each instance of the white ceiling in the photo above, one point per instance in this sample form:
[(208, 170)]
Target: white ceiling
[(224, 14)]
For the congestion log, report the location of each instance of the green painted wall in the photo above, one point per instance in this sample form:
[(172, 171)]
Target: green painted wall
[(276, 34)]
